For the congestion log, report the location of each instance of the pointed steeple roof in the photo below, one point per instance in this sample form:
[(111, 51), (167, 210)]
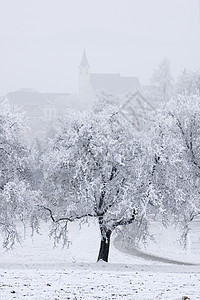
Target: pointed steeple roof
[(84, 61)]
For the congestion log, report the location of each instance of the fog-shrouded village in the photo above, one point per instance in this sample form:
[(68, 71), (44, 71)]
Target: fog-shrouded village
[(100, 150)]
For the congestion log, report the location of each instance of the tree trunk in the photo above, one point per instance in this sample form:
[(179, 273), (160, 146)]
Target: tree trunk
[(105, 245)]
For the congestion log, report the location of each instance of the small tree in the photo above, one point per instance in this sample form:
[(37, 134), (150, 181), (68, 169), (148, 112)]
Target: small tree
[(163, 79), (96, 168), (188, 83)]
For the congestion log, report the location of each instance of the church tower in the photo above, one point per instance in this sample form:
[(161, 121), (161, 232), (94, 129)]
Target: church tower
[(86, 94)]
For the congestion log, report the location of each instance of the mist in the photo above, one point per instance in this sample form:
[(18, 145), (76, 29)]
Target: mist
[(42, 42)]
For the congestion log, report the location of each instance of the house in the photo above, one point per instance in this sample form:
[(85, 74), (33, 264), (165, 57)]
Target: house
[(40, 112)]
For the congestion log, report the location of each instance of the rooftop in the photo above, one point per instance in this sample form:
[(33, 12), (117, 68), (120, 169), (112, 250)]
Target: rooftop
[(28, 97), (114, 83)]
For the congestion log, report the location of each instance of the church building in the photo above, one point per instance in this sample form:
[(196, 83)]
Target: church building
[(91, 83)]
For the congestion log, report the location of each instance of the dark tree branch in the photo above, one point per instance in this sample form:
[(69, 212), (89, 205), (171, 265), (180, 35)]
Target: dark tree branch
[(49, 210), (156, 161), (69, 219), (3, 149), (13, 124), (113, 172), (124, 221)]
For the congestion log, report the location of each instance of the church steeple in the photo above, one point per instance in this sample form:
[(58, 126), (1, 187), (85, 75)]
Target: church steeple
[(85, 89), (84, 62)]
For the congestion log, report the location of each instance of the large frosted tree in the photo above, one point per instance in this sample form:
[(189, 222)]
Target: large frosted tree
[(16, 169), (96, 168), (176, 181)]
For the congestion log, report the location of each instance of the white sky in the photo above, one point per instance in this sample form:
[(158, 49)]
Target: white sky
[(42, 41)]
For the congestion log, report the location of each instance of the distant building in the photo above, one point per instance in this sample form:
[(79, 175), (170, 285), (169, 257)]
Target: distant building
[(91, 83), (44, 110)]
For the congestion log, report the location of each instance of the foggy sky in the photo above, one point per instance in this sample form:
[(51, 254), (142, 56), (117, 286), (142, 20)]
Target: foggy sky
[(42, 41)]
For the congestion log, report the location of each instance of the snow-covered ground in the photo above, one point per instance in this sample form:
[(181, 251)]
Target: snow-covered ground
[(34, 270)]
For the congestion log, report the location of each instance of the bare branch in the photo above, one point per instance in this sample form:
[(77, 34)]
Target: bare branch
[(69, 219)]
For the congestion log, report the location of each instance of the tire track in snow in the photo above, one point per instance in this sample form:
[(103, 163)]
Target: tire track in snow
[(118, 243)]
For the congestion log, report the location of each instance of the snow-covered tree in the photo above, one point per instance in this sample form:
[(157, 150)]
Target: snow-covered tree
[(163, 79), (96, 168), (189, 83), (176, 182), (16, 165)]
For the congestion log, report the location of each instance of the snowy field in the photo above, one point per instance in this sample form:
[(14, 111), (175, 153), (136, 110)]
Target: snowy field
[(34, 270)]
